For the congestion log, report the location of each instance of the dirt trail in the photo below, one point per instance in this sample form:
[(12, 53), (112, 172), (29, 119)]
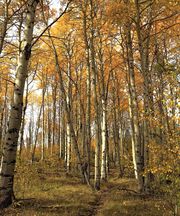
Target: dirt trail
[(100, 199), (120, 198), (61, 195), (97, 205)]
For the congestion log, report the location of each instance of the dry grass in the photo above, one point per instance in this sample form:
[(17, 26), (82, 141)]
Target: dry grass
[(122, 200), (45, 190)]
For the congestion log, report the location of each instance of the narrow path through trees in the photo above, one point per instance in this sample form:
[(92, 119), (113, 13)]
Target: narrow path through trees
[(53, 192)]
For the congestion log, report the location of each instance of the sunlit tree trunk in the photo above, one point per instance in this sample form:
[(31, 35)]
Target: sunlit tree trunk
[(103, 95), (104, 142), (54, 97), (120, 132), (10, 148), (34, 146), (133, 106), (143, 34), (68, 115), (88, 84), (59, 125), (30, 136), (116, 126), (43, 122), (97, 120), (21, 141), (63, 126), (68, 147), (69, 104), (49, 129)]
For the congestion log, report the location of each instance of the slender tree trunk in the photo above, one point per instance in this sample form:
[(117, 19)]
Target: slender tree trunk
[(63, 126), (120, 134), (144, 42), (10, 148), (68, 147), (36, 134), (49, 123), (68, 115), (60, 128), (107, 151), (97, 135), (104, 142), (136, 136), (69, 104), (30, 136), (4, 24), (43, 124), (97, 121), (54, 95), (104, 109), (21, 142), (116, 128), (88, 84)]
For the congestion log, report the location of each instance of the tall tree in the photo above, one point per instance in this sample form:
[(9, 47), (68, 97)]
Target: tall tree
[(10, 148)]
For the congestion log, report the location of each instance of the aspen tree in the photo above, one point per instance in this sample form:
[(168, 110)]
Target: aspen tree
[(133, 104), (54, 97), (6, 19), (96, 106), (37, 128), (136, 136), (43, 126), (60, 124), (88, 84), (21, 142), (67, 108), (44, 87), (116, 134), (143, 34), (49, 128), (104, 113), (69, 102), (102, 91), (63, 126), (10, 148), (4, 24), (69, 119), (120, 130)]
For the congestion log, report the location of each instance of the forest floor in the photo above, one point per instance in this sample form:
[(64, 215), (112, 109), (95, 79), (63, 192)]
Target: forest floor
[(55, 193)]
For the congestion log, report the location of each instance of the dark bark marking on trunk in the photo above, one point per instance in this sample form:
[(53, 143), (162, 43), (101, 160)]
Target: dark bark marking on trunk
[(27, 51)]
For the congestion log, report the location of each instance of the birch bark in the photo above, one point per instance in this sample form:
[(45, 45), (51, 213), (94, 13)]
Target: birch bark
[(136, 136), (143, 34), (10, 148), (97, 121), (88, 84)]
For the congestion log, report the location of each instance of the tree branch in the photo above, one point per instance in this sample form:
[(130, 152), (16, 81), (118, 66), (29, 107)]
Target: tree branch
[(52, 23), (7, 80)]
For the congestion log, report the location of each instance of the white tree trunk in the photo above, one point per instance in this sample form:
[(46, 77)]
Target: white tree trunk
[(134, 114), (104, 142), (68, 147), (133, 141), (88, 84), (10, 148), (68, 130), (96, 105)]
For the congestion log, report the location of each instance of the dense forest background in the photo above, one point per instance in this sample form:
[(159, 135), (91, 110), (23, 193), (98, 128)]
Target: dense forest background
[(89, 96)]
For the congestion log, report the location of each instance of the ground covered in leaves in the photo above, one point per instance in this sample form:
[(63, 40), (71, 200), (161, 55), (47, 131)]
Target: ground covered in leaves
[(44, 189)]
